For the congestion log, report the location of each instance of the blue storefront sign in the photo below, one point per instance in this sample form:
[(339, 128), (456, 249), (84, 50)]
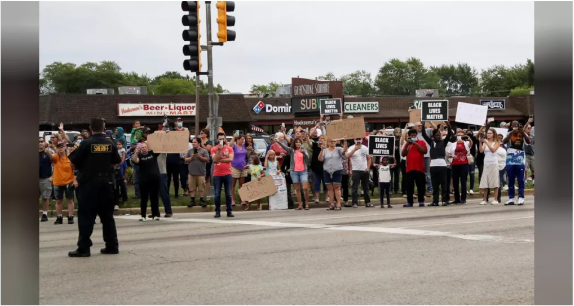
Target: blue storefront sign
[(493, 104)]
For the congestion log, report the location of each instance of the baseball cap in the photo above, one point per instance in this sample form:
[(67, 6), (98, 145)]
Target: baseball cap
[(179, 119)]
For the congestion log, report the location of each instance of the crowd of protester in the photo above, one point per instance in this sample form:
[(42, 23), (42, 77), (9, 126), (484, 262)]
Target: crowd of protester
[(436, 161)]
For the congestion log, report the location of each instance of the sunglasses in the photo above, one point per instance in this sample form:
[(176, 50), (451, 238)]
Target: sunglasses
[(59, 146)]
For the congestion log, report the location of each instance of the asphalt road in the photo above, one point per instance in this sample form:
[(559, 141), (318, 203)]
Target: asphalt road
[(468, 254)]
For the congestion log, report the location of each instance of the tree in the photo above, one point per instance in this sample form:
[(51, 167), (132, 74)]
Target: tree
[(358, 83), (169, 75), (521, 91), (169, 86), (500, 80), (263, 90), (457, 80), (327, 77), (404, 78)]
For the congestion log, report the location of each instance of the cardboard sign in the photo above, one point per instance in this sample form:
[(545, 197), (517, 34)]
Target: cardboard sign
[(347, 129), (471, 113), (414, 115), (172, 142), (256, 190), (382, 145), (331, 106), (434, 111)]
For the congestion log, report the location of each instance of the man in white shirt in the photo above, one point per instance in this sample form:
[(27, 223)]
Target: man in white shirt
[(361, 163)]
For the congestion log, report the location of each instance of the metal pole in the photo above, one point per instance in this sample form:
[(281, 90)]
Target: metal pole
[(197, 105), (213, 129)]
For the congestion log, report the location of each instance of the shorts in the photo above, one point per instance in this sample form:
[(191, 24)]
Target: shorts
[(236, 173), (299, 177), (45, 188), (196, 183), (67, 190), (530, 163), (334, 178)]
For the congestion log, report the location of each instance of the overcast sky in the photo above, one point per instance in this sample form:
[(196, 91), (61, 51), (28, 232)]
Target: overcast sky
[(279, 40)]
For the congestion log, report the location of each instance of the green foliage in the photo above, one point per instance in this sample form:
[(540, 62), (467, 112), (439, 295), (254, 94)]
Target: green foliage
[(521, 91), (129, 175), (404, 78), (358, 83), (499, 80), (69, 78), (262, 89), (459, 80)]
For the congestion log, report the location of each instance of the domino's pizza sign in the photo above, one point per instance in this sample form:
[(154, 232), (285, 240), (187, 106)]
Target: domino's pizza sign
[(260, 106)]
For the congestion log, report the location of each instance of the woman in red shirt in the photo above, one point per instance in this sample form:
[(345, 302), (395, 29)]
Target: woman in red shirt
[(459, 152)]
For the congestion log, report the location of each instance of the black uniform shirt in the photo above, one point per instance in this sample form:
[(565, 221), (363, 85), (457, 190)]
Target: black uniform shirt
[(95, 155)]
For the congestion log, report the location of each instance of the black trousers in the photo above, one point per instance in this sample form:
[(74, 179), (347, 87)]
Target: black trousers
[(404, 173), (150, 189), (173, 172), (438, 179), (415, 177), (289, 182), (385, 188), (183, 173), (361, 177), (345, 187), (448, 180), (96, 199), (459, 175), (395, 176)]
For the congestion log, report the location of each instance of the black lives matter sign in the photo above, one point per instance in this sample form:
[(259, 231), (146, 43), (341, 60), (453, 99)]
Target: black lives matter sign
[(331, 106), (382, 145), (434, 111)]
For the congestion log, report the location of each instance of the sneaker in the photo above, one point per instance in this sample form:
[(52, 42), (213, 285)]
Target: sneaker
[(230, 215), (70, 219), (408, 205), (483, 203), (421, 204), (155, 219), (404, 195), (168, 215), (143, 219), (191, 203), (58, 220), (44, 218), (520, 201), (509, 202), (207, 198), (433, 204), (495, 202), (468, 191), (532, 182), (444, 203), (327, 200), (346, 204), (529, 178), (355, 205), (505, 188), (217, 215), (116, 208), (202, 203), (471, 191)]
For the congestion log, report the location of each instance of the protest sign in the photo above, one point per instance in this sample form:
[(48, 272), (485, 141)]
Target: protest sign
[(279, 200), (331, 106), (471, 113), (434, 111), (501, 131), (347, 128), (172, 142), (257, 189), (382, 145), (414, 115)]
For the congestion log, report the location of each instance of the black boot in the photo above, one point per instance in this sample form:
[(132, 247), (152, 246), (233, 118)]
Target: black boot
[(230, 215), (109, 251), (70, 219), (58, 220), (79, 253), (203, 203), (191, 203), (217, 215)]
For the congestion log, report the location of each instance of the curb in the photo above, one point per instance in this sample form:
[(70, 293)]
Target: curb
[(239, 207)]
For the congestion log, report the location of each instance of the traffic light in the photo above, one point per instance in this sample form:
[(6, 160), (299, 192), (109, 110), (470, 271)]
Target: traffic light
[(193, 49), (224, 21)]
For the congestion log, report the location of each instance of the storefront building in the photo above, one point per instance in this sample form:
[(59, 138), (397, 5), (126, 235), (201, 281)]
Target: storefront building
[(240, 113)]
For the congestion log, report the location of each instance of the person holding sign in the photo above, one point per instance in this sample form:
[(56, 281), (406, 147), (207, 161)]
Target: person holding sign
[(298, 169), (438, 166), (149, 180), (332, 158), (515, 161), (414, 151)]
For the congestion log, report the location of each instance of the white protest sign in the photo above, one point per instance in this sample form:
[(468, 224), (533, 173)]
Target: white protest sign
[(471, 113), (501, 131), (279, 200)]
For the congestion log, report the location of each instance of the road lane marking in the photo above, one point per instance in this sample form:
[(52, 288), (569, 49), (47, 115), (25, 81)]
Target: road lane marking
[(400, 231), (468, 222)]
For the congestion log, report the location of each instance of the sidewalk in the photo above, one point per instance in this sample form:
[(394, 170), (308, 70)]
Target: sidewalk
[(238, 207)]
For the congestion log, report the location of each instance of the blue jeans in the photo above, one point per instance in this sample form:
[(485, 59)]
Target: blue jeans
[(427, 173), (299, 177), (136, 168), (515, 172), (226, 182), (164, 193), (318, 181)]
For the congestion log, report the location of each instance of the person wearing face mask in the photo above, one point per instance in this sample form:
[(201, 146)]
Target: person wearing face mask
[(459, 153), (438, 166), (414, 151)]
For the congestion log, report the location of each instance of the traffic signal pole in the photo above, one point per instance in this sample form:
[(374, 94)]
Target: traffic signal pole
[(197, 119), (213, 112)]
